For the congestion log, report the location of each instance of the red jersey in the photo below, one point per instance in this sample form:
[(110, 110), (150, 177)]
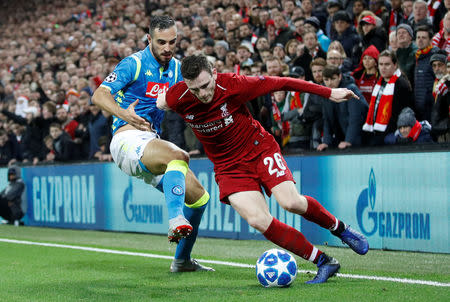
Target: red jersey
[(224, 126)]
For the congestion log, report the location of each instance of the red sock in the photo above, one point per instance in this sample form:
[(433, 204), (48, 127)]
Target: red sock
[(292, 240), (318, 214)]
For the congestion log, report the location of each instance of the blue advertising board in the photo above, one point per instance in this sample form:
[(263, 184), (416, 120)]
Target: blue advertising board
[(399, 201)]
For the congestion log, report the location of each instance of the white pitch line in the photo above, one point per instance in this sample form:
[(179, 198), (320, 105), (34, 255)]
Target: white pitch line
[(227, 263)]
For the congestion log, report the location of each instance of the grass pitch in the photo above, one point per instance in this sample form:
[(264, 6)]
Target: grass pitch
[(41, 273)]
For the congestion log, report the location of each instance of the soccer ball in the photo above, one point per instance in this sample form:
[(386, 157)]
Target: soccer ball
[(276, 268)]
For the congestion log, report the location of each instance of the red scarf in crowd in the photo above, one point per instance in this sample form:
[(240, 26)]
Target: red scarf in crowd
[(284, 126), (424, 51), (415, 131), (384, 110)]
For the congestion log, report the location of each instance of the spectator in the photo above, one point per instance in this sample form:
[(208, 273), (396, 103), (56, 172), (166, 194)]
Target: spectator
[(299, 24), (333, 6), (103, 154), (9, 149), (440, 113), (423, 74), (11, 197), (406, 52), (366, 75), (282, 31), (313, 24), (420, 12), (390, 95), (372, 34), (342, 122), (310, 51), (345, 32), (393, 44), (396, 16), (409, 130), (69, 125), (98, 126), (63, 146), (280, 129), (334, 57), (442, 38)]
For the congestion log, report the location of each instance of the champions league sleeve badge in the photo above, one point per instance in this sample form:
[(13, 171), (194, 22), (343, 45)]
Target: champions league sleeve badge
[(111, 77)]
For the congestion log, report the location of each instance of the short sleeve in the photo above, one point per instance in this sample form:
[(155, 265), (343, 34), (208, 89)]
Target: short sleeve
[(123, 74)]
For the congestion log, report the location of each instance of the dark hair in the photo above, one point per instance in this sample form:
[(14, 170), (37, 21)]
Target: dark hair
[(160, 22), (426, 29), (55, 125), (330, 70), (390, 54), (192, 66)]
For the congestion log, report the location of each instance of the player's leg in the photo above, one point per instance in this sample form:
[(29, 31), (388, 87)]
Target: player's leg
[(162, 157), (287, 196), (196, 201), (252, 206)]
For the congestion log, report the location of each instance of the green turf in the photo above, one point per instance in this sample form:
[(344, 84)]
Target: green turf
[(36, 273)]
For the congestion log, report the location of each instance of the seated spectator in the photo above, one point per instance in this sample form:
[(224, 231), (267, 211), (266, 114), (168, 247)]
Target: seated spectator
[(409, 130), (11, 197), (335, 58), (390, 95), (366, 75), (342, 122)]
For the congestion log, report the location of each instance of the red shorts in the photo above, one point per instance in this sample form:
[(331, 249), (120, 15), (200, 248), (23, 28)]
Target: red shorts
[(263, 167)]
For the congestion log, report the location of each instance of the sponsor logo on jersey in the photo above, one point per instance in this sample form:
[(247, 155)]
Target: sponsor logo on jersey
[(153, 89), (190, 117), (111, 77)]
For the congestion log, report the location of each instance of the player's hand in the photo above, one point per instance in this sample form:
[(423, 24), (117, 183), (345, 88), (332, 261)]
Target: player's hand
[(161, 101), (342, 94), (130, 116)]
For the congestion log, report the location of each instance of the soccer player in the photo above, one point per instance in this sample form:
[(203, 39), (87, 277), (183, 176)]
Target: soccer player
[(246, 157), (136, 147)]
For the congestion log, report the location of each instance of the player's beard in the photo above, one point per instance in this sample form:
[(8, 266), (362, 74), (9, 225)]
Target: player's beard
[(163, 58)]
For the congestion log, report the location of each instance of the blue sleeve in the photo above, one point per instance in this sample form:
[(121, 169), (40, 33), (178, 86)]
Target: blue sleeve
[(123, 74)]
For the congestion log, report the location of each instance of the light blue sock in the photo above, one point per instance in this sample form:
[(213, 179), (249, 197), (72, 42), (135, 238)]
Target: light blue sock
[(194, 215), (174, 186)]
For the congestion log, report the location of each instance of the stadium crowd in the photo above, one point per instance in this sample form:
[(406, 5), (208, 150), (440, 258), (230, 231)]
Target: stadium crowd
[(393, 54)]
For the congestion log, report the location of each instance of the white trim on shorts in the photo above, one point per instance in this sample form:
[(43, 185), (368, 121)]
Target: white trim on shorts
[(127, 148)]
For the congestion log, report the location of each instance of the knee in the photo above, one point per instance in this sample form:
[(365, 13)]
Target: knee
[(180, 154), (295, 204), (260, 222)]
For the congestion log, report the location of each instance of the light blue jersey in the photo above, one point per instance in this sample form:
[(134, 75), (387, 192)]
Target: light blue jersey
[(140, 76)]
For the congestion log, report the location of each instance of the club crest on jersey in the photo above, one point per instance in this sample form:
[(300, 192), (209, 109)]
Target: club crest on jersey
[(177, 190), (111, 77), (190, 117), (153, 89), (224, 110)]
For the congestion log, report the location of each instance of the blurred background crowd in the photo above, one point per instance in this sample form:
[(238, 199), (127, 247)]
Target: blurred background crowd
[(392, 54)]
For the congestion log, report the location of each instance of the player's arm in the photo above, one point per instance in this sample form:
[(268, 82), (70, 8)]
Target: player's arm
[(258, 86), (102, 98)]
